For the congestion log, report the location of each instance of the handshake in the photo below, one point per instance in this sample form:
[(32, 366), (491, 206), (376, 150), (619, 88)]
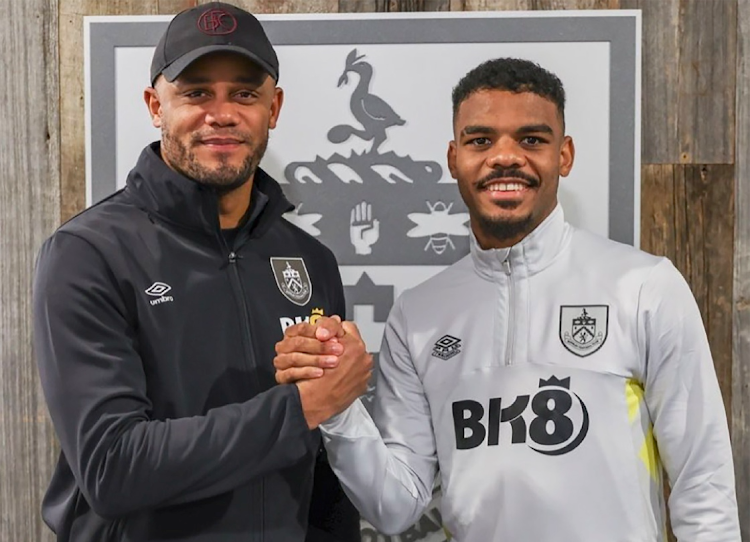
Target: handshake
[(328, 362)]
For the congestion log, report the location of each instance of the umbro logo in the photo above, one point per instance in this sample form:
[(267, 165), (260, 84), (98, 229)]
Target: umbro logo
[(157, 290), (446, 347)]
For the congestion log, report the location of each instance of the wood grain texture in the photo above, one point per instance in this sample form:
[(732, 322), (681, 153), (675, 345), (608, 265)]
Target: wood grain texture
[(575, 4), (289, 6), (367, 6), (29, 199), (496, 5), (659, 79), (687, 215), (73, 164), (688, 80), (707, 63), (741, 289)]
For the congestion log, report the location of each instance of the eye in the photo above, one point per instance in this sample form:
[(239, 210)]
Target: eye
[(246, 95), (479, 141), (194, 94), (533, 141)]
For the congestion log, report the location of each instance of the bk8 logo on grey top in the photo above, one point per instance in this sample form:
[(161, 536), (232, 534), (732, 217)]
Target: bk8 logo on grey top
[(552, 421)]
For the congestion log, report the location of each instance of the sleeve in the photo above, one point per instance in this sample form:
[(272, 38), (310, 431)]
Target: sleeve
[(96, 390), (684, 400), (389, 478), (333, 518)]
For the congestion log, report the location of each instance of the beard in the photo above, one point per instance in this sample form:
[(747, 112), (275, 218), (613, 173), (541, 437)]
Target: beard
[(505, 228), (223, 178)]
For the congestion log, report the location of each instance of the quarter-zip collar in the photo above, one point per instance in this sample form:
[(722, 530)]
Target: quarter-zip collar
[(170, 195), (535, 251)]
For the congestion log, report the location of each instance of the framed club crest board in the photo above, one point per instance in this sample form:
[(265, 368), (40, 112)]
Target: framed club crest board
[(361, 142)]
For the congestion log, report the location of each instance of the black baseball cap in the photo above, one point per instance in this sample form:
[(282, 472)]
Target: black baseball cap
[(209, 28)]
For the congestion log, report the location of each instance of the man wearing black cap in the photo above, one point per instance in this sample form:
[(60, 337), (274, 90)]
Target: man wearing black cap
[(156, 313)]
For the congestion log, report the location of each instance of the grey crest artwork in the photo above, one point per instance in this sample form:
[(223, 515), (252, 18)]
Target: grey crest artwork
[(374, 207)]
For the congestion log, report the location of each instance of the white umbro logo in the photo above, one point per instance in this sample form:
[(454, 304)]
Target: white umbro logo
[(157, 290)]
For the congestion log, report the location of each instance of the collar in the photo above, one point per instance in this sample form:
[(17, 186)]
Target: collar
[(160, 190), (535, 251)]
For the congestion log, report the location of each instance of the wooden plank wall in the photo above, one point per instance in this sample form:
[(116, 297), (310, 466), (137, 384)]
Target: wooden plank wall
[(695, 186), (741, 294), (29, 210)]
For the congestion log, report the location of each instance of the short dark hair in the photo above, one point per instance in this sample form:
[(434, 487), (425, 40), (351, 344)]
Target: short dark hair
[(513, 75)]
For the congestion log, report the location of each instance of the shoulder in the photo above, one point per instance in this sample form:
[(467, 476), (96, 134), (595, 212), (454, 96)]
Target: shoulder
[(608, 253), (105, 220), (447, 284), (654, 279), (604, 261)]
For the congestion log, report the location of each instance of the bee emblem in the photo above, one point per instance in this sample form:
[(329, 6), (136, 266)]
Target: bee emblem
[(438, 225)]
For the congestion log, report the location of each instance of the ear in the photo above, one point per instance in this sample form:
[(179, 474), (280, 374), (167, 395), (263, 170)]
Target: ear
[(276, 103), (567, 156), (151, 97), (452, 158)]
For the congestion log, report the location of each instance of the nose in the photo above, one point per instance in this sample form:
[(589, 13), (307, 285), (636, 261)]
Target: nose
[(506, 153), (222, 112)]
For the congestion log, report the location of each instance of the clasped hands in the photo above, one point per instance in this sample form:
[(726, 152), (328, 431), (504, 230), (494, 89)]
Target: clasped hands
[(328, 362)]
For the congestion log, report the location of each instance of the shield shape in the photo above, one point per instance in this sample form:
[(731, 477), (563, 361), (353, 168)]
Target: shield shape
[(292, 279), (583, 328)]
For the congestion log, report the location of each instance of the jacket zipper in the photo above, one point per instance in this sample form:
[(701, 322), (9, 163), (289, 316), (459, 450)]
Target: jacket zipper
[(232, 258), (511, 320)]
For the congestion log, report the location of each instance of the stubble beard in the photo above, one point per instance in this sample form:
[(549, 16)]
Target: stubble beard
[(223, 178), (503, 229), (500, 228)]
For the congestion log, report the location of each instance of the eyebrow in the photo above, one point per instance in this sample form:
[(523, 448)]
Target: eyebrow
[(535, 129), (474, 129)]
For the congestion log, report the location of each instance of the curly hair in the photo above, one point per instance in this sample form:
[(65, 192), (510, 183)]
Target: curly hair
[(514, 75)]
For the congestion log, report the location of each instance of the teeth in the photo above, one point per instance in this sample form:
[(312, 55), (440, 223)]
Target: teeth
[(505, 187)]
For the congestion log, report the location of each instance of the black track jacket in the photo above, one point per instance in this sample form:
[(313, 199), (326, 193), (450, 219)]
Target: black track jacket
[(155, 343)]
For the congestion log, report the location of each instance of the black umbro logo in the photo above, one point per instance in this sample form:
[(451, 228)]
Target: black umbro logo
[(446, 347)]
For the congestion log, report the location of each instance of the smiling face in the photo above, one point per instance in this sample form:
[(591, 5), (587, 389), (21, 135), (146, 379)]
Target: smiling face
[(215, 119), (508, 153)]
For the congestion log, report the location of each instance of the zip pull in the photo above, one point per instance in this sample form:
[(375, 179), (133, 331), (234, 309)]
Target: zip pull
[(506, 266), (233, 257)]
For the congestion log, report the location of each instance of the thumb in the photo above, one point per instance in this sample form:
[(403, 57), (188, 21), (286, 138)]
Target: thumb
[(351, 328)]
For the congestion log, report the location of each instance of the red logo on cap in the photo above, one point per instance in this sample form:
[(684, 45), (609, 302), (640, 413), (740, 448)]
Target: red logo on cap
[(216, 22)]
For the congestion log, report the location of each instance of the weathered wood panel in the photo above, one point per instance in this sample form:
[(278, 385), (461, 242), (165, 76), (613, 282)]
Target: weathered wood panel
[(687, 215), (289, 6), (741, 291), (496, 5), (688, 55), (366, 6), (29, 199), (706, 101), (575, 4), (72, 163), (660, 51)]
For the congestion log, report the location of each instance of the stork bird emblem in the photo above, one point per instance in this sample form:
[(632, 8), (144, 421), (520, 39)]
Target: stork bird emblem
[(362, 197), (371, 111)]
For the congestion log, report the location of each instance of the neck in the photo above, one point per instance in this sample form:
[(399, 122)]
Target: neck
[(487, 242), (233, 205)]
